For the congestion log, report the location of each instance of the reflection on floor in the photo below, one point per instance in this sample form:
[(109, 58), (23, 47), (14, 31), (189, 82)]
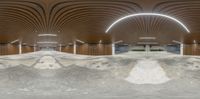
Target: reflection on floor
[(133, 75)]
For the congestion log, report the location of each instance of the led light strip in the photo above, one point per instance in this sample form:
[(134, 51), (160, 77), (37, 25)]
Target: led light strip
[(147, 43), (40, 35), (148, 14), (147, 38), (177, 42), (80, 41), (118, 42), (47, 42), (14, 41)]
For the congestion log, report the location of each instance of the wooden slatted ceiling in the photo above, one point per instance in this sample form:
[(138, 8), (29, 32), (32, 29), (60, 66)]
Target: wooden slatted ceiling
[(87, 20)]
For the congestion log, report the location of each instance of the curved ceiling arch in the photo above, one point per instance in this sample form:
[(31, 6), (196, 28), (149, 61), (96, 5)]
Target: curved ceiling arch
[(147, 14)]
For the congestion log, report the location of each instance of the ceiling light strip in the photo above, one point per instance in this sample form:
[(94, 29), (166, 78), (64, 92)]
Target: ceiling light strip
[(147, 38), (41, 35), (178, 42), (47, 42), (147, 43), (80, 41), (14, 41), (148, 14), (118, 42)]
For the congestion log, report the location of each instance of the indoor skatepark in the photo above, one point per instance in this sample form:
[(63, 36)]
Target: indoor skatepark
[(99, 49)]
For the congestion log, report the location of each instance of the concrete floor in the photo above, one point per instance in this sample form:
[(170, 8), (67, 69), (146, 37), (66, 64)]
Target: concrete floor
[(89, 77)]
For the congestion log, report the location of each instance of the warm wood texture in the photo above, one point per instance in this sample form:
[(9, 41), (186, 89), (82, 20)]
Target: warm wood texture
[(8, 49), (90, 49), (190, 38), (85, 49), (87, 20), (192, 49), (27, 49), (67, 49)]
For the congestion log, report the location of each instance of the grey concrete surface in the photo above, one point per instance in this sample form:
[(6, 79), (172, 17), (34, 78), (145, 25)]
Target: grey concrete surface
[(89, 77)]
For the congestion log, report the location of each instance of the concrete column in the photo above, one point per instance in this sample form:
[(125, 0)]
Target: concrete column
[(181, 49), (60, 48), (74, 47), (113, 49), (20, 48), (34, 48), (147, 49)]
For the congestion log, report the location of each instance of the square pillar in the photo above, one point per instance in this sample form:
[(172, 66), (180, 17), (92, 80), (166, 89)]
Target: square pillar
[(147, 49), (113, 49), (181, 49), (20, 48), (74, 47), (60, 48)]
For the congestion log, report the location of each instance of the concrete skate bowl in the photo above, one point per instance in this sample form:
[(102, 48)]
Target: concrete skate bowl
[(47, 62), (80, 79), (147, 71)]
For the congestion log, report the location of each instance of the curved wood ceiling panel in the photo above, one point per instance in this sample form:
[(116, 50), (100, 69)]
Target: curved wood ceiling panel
[(185, 10), (87, 20)]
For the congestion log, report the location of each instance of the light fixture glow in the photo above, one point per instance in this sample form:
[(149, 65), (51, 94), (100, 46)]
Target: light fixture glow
[(195, 42), (147, 43), (148, 14), (70, 43), (40, 35), (14, 41), (24, 43), (80, 41), (118, 42), (178, 42), (147, 38), (100, 41), (47, 42)]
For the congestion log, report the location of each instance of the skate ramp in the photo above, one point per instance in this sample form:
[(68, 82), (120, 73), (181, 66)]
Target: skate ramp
[(147, 71)]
